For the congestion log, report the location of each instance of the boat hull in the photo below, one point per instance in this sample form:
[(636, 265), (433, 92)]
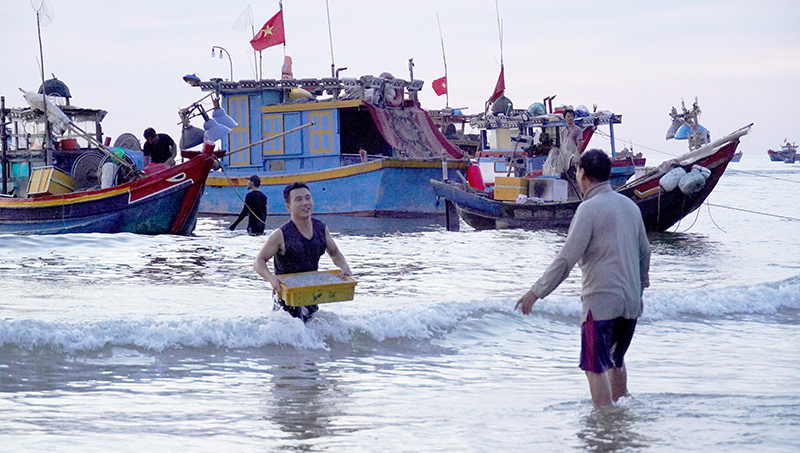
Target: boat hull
[(162, 203), (660, 210), (384, 187)]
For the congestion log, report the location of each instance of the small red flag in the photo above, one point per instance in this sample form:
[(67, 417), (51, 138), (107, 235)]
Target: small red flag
[(440, 86), (271, 34), (500, 88)]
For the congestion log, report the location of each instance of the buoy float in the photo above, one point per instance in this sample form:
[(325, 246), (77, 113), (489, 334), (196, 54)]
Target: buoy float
[(475, 178)]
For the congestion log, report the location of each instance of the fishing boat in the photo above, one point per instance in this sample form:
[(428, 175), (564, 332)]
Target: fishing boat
[(787, 153), (737, 156), (362, 145), (665, 194), (78, 184), (515, 142)]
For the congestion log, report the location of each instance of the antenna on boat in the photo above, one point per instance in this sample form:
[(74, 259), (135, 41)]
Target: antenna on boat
[(447, 92), (44, 16), (330, 39)]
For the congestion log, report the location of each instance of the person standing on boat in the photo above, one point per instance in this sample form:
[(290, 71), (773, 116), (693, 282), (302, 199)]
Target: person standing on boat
[(607, 239), (255, 206), (297, 246), (159, 148), (562, 159)]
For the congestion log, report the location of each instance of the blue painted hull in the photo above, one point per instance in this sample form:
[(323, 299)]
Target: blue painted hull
[(389, 187)]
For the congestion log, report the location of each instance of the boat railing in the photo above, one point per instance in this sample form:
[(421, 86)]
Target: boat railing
[(521, 118), (330, 85)]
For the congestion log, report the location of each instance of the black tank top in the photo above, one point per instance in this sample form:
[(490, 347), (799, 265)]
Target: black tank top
[(301, 254)]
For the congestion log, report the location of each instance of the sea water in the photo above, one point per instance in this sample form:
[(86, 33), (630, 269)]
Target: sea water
[(136, 343)]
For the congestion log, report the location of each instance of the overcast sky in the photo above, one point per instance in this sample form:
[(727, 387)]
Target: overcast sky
[(635, 58)]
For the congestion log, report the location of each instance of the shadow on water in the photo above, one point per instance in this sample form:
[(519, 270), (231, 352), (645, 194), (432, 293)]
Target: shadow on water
[(682, 244), (612, 429)]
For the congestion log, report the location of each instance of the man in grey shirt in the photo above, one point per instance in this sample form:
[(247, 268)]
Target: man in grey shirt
[(607, 239)]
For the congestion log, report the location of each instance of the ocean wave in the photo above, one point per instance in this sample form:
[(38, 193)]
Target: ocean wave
[(413, 322), (760, 299)]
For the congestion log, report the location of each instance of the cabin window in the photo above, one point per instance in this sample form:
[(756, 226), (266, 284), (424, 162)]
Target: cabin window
[(273, 125), (238, 108), (321, 132)]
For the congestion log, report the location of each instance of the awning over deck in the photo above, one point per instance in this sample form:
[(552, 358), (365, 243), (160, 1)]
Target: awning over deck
[(411, 131)]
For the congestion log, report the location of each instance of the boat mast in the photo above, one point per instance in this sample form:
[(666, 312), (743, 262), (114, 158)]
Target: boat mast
[(330, 39), (499, 31), (446, 80), (48, 139), (4, 144)]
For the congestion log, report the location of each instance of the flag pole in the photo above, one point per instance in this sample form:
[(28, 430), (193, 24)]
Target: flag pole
[(255, 56), (280, 6), (446, 93), (500, 31), (502, 74)]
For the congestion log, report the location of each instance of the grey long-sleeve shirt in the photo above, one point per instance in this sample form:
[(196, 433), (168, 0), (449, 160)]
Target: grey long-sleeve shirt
[(608, 241)]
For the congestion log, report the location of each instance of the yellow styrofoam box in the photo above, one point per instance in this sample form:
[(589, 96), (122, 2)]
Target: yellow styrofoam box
[(298, 296), (507, 188), (49, 181)]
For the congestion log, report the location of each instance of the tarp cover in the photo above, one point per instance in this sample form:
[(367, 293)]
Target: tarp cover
[(411, 131)]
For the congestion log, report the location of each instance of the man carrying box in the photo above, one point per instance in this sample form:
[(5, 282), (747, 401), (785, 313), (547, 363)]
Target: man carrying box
[(297, 246)]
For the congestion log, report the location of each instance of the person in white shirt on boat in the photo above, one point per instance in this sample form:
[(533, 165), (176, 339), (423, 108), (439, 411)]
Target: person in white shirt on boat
[(560, 160), (607, 239)]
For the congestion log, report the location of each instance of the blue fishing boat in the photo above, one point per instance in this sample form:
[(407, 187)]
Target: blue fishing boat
[(787, 153), (364, 146)]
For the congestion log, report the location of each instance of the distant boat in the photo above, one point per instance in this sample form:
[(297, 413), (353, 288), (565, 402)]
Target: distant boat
[(787, 153), (737, 156), (60, 189), (364, 146)]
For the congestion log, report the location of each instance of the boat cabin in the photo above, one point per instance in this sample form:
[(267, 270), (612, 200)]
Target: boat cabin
[(340, 122), (29, 142)]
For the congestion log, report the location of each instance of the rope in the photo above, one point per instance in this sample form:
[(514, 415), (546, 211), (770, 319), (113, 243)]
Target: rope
[(608, 137), (233, 186), (708, 206), (763, 176), (755, 212)]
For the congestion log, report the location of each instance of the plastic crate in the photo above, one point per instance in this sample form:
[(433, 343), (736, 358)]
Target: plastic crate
[(298, 296), (49, 181)]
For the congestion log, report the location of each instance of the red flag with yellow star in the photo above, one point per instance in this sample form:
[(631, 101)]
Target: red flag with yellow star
[(440, 86), (271, 34)]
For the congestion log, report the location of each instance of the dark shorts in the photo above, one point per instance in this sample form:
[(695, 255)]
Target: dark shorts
[(305, 313), (604, 343)]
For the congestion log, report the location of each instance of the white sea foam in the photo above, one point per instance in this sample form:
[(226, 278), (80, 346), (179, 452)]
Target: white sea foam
[(410, 321)]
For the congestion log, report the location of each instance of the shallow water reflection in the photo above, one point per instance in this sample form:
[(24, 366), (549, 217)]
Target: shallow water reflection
[(613, 429)]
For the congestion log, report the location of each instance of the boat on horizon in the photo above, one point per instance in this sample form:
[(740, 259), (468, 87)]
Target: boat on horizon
[(77, 183), (787, 153), (364, 146), (664, 194)]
